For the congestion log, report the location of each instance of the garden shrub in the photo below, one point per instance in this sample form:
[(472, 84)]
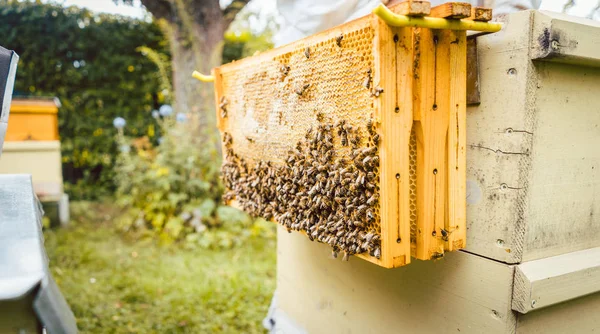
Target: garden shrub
[(173, 191), (91, 64)]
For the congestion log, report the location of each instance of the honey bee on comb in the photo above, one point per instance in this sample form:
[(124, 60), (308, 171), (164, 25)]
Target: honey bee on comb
[(317, 189)]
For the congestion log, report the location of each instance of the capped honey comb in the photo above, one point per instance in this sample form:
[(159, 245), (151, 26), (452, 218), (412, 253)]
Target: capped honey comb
[(354, 137)]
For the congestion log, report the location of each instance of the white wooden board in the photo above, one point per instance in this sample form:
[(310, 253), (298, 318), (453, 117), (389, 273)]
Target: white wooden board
[(533, 173), (574, 317), (460, 293), (556, 279)]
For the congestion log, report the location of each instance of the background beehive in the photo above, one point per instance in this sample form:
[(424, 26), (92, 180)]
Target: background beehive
[(310, 100)]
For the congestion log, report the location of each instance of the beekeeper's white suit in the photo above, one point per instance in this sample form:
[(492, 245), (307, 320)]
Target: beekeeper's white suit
[(306, 17)]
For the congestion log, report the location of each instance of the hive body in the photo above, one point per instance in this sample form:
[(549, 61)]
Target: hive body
[(344, 137)]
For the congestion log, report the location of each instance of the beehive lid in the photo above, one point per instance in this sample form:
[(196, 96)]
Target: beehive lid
[(44, 105)]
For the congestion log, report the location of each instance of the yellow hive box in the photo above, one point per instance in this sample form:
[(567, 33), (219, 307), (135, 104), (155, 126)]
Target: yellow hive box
[(354, 136), (33, 119)]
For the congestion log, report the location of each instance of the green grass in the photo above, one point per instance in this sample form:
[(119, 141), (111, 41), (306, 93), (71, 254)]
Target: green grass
[(122, 285)]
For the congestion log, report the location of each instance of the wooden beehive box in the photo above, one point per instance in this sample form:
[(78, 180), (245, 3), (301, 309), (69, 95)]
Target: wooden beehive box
[(354, 136), (33, 119)]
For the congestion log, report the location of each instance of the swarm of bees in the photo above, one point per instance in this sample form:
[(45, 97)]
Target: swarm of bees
[(332, 199)]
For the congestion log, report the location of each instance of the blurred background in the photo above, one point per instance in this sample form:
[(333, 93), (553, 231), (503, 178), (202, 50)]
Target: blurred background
[(148, 246)]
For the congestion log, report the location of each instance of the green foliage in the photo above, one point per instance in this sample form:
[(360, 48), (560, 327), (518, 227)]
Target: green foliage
[(92, 63), (173, 192), (118, 285)]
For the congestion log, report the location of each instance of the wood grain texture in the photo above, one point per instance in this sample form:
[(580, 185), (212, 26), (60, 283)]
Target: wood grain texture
[(556, 279), (481, 14), (455, 225), (384, 60), (499, 142), (394, 146), (411, 8), (218, 84), (564, 202), (460, 293), (473, 92), (451, 10), (565, 39)]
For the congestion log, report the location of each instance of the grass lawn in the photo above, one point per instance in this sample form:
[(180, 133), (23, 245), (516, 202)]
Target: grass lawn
[(119, 285)]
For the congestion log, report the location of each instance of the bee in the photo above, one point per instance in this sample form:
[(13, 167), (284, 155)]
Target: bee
[(369, 150), (346, 256), (338, 40), (370, 126), (377, 253), (308, 133), (373, 199), (367, 81), (444, 234), (344, 140), (377, 91), (284, 69), (307, 52), (320, 117), (436, 256), (376, 139), (355, 140), (300, 91), (334, 253)]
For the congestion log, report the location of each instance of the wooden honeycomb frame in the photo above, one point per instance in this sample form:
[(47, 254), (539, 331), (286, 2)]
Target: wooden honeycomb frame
[(416, 98)]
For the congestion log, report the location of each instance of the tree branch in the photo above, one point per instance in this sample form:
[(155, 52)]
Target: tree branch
[(231, 11)]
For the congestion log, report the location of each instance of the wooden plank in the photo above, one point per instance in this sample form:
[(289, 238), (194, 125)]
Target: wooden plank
[(565, 39), (393, 50), (576, 316), (451, 10), (481, 14), (473, 92), (556, 279), (411, 8), (564, 193), (498, 141), (218, 84), (384, 51), (461, 293), (455, 229), (431, 102)]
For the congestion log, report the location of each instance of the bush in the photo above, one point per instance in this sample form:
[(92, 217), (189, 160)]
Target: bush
[(91, 63), (173, 191)]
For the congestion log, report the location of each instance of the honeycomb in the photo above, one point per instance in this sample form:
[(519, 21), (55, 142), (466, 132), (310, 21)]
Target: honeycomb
[(413, 188), (302, 119)]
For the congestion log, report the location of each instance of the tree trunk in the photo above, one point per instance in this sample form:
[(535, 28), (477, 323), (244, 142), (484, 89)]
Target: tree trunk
[(189, 54), (195, 29)]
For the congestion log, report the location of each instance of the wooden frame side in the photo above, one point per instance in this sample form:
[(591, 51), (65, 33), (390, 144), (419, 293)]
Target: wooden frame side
[(383, 78), (455, 228), (430, 101), (218, 84), (393, 50)]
